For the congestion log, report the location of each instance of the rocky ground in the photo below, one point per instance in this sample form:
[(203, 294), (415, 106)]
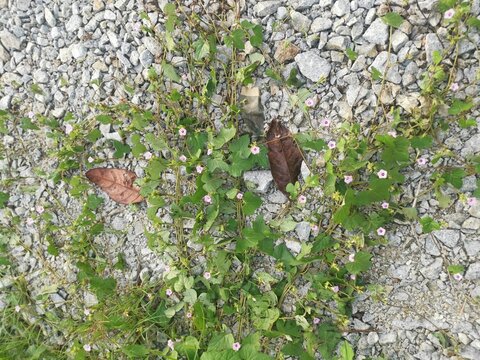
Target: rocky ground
[(82, 52)]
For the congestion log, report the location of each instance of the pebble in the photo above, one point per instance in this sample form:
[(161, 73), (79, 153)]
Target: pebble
[(321, 24), (341, 7), (432, 43), (9, 40), (78, 51), (261, 179), (265, 8), (146, 58), (50, 18), (153, 46), (448, 238), (74, 23), (312, 66), (300, 22), (377, 33), (303, 230)]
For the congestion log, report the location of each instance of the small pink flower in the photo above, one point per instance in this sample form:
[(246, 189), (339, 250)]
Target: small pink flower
[(207, 275), (90, 159), (147, 155), (30, 221), (392, 133), (314, 228), (87, 347), (325, 122), (348, 179), (207, 199), (171, 344), (449, 14), (454, 87), (169, 292), (385, 205), (302, 199), (316, 321), (335, 289), (209, 151), (86, 312), (458, 276), (199, 169), (167, 269), (189, 315), (240, 196), (472, 201), (182, 158), (351, 257), (382, 174), (182, 131), (421, 161), (353, 277), (381, 231), (31, 114), (310, 102), (255, 150), (40, 209), (332, 144), (68, 129), (184, 77), (17, 308), (236, 346)]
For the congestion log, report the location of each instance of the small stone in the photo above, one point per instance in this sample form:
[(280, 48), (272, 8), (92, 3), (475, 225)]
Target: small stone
[(432, 43), (303, 230), (471, 223), (293, 245), (377, 33), (153, 46), (40, 77), (90, 299), (98, 5), (113, 38), (10, 41), (79, 51), (300, 22), (57, 300), (266, 8), (475, 209), (58, 112), (388, 338), (109, 15), (433, 270), (321, 24), (312, 66), (407, 102), (282, 13), (286, 51), (341, 7), (448, 238), (472, 146), (399, 39), (372, 338), (337, 43), (302, 4), (49, 18), (74, 23), (260, 179), (146, 58)]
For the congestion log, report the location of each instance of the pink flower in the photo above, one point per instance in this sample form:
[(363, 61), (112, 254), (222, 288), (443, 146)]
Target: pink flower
[(169, 292), (17, 308), (351, 257), (458, 276), (40, 209), (332, 144), (182, 131), (454, 87), (182, 158), (30, 221), (348, 179), (392, 133), (189, 315), (207, 275), (314, 228), (207, 199), (31, 114), (87, 347), (472, 201), (240, 196), (90, 159), (255, 150), (86, 312), (167, 269), (302, 199), (353, 277), (316, 321), (236, 346), (335, 289), (199, 169), (382, 174), (310, 102), (381, 231), (147, 155), (209, 151), (171, 344), (184, 77), (325, 122), (421, 161), (449, 14), (385, 205), (68, 129)]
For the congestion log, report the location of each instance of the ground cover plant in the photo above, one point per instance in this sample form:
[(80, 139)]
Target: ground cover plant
[(235, 284)]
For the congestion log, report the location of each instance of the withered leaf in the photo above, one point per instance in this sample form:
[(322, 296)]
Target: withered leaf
[(117, 183), (284, 155)]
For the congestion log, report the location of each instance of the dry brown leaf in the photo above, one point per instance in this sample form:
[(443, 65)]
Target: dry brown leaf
[(117, 183), (284, 155)]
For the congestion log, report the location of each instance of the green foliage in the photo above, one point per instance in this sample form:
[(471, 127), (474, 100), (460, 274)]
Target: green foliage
[(429, 225), (393, 19)]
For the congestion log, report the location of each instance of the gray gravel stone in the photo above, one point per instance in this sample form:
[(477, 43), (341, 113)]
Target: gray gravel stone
[(50, 18), (78, 51), (321, 24), (473, 272), (448, 238), (399, 39), (40, 77), (432, 43), (300, 22), (312, 66), (372, 338), (471, 223), (260, 179), (146, 58), (153, 46), (388, 338), (433, 270), (337, 43), (472, 145), (266, 8), (74, 23), (377, 33), (301, 4), (341, 7), (303, 230), (10, 41)]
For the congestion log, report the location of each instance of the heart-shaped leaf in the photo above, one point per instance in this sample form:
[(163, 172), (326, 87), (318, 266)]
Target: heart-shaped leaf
[(117, 183), (284, 155)]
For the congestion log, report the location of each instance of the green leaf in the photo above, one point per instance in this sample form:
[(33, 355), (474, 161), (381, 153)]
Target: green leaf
[(376, 75), (121, 149), (238, 38), (94, 135), (329, 187), (328, 337), (188, 347), (410, 213), (456, 269), (103, 288), (421, 142), (212, 213), (273, 75), (27, 124), (190, 296), (455, 177), (202, 49), (436, 57), (3, 199), (170, 72), (257, 38), (292, 79), (136, 351), (459, 106), (393, 19), (352, 55), (346, 351), (225, 135), (104, 119), (362, 263), (251, 202), (241, 146), (157, 143), (138, 148), (429, 225), (473, 21), (466, 123), (444, 5)]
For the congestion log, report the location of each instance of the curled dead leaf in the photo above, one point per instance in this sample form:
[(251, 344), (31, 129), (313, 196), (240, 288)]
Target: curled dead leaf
[(284, 155), (117, 183)]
